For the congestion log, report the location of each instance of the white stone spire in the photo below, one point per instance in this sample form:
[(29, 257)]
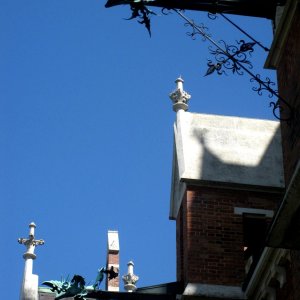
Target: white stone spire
[(130, 279), (29, 289), (179, 97)]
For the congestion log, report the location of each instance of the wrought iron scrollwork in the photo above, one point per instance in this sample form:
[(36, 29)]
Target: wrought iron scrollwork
[(280, 108), (201, 30), (236, 59), (214, 17), (263, 85), (212, 67), (166, 11), (142, 13), (277, 110), (231, 57)]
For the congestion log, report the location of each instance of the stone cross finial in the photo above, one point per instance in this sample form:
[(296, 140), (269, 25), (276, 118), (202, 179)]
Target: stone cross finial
[(130, 279), (180, 97), (29, 288), (30, 243)]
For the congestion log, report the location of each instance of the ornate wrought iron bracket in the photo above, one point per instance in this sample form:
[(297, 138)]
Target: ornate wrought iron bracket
[(227, 57), (214, 17), (235, 58)]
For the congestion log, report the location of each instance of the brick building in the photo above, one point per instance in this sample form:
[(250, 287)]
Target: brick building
[(227, 183), (236, 189)]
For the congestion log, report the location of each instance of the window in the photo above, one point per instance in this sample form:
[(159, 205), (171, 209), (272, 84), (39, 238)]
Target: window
[(255, 230)]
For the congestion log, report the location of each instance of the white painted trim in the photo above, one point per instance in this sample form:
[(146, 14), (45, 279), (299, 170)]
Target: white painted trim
[(113, 289), (113, 240), (179, 144), (178, 187), (114, 265), (213, 290), (243, 210)]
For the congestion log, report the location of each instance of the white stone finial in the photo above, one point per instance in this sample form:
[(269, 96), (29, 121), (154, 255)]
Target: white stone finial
[(29, 289), (30, 243), (130, 279), (179, 97)]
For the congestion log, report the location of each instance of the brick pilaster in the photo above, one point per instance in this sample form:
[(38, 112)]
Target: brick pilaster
[(113, 250)]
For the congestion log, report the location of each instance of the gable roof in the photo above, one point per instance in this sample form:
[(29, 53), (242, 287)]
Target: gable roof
[(225, 151)]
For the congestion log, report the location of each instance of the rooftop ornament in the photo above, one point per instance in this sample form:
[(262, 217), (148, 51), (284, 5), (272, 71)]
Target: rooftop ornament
[(30, 243), (234, 58), (29, 289), (76, 286), (130, 279), (179, 97)]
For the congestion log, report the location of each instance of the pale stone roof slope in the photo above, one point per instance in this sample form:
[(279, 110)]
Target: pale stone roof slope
[(225, 150)]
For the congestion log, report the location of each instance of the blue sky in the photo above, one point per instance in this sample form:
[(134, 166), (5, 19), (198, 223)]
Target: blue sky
[(87, 131)]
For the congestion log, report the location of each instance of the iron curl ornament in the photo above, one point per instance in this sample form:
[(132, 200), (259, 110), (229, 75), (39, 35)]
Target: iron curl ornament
[(236, 59), (214, 17), (197, 30), (230, 56), (263, 86), (280, 106)]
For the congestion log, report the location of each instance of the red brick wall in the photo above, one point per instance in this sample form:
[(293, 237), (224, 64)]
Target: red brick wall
[(210, 235), (288, 72), (113, 259), (180, 222)]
